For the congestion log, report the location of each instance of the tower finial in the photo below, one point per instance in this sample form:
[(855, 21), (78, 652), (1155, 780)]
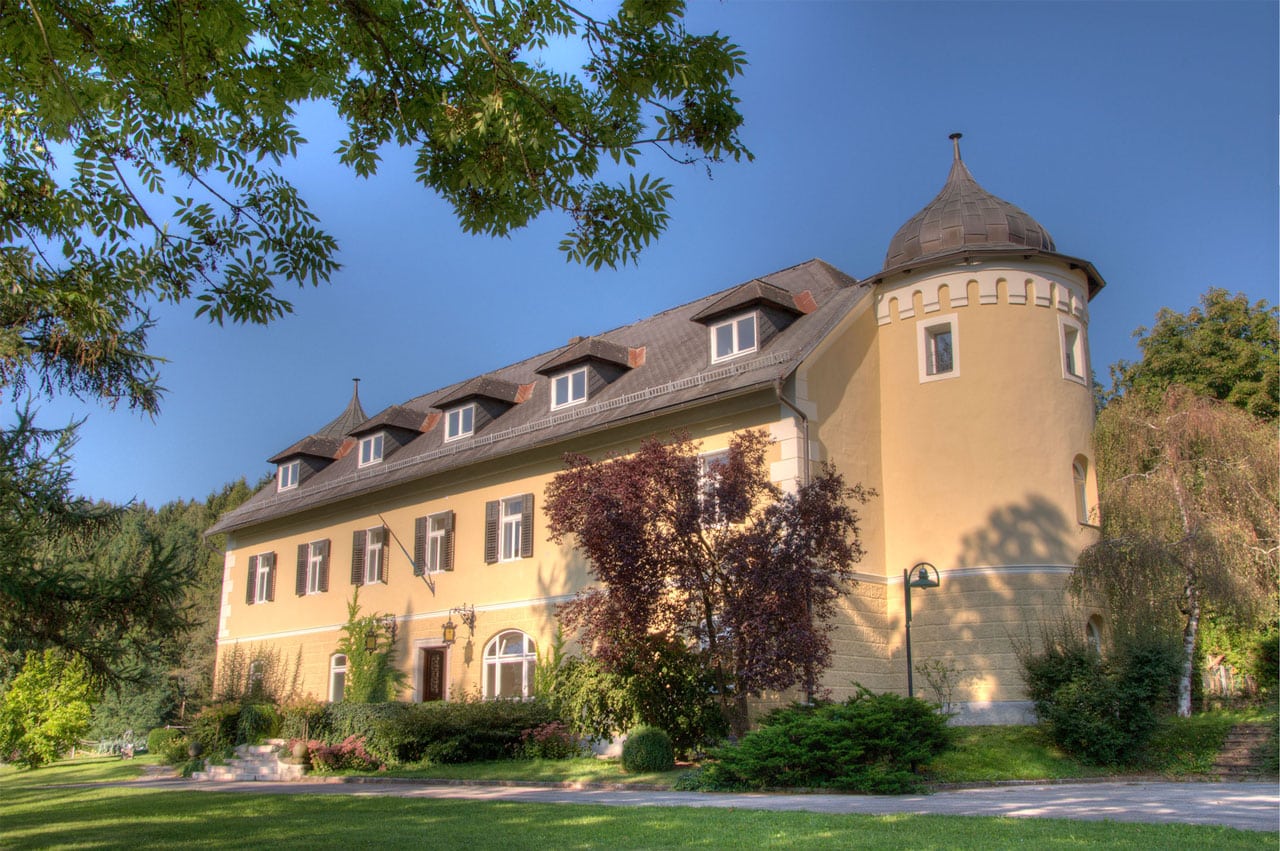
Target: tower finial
[(955, 144)]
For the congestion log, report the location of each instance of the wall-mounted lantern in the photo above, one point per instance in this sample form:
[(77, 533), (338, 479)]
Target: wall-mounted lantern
[(922, 575), (449, 632)]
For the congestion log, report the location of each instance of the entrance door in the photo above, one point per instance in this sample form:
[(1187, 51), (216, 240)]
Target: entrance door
[(433, 673)]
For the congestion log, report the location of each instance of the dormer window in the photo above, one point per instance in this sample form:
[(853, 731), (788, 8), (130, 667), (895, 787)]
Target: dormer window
[(733, 337), (460, 422), (287, 475), (371, 449), (569, 388)]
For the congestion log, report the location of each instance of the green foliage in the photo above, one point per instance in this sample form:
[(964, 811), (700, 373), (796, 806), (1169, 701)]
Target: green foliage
[(160, 738), (869, 743), (45, 709), (260, 676), (305, 719), (257, 721), (1226, 349), (372, 676), (217, 727), (647, 749), (1266, 661), (462, 731), (1103, 710), (663, 685)]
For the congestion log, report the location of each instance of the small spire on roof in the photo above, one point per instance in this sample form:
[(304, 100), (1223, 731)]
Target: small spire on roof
[(955, 144)]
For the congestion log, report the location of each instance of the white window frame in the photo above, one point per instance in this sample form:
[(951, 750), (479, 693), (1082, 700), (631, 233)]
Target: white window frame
[(570, 398), (706, 462), (1074, 353), (927, 333), (526, 659), (437, 539), (374, 571), (455, 427), (337, 667), (262, 581), (510, 528), (736, 347), (315, 558), (287, 475), (371, 449)]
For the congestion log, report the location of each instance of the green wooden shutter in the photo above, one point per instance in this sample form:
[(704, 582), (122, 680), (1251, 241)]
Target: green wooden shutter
[(324, 565), (357, 557), (271, 575), (491, 509), (446, 554), (380, 537), (304, 556), (526, 527), (253, 580), (419, 546)]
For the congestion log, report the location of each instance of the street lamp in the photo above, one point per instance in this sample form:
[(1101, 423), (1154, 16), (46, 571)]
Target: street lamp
[(922, 575)]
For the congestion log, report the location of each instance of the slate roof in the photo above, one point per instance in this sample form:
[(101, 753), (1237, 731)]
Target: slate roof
[(590, 348), (676, 373), (396, 416)]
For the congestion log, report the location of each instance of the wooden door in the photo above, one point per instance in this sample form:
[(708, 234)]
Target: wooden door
[(433, 673)]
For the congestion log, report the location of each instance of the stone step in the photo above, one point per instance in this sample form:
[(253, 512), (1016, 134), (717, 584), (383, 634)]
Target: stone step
[(1239, 757), (253, 762)]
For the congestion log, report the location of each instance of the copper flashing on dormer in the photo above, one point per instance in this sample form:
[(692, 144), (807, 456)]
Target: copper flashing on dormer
[(591, 348), (750, 294)]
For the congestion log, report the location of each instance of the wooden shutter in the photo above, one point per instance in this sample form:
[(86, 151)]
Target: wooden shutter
[(357, 557), (270, 559), (251, 585), (446, 551), (324, 565), (526, 527), (304, 556), (419, 546), (491, 510)]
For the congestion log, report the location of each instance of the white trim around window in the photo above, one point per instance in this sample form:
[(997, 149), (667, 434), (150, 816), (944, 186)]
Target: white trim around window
[(460, 422), (371, 449), (734, 337), (337, 676), (938, 347), (287, 475), (509, 661), (1075, 366), (569, 388)]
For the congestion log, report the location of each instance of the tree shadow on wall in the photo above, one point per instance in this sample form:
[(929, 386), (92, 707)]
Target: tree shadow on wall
[(1027, 533)]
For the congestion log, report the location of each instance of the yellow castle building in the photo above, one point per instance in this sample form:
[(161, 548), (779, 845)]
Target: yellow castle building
[(955, 382)]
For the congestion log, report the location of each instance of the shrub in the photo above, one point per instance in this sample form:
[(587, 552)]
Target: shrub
[(159, 738), (1266, 661), (550, 741), (348, 755), (257, 721), (647, 749), (466, 731), (216, 726), (869, 743), (304, 719), (176, 751), (1102, 710)]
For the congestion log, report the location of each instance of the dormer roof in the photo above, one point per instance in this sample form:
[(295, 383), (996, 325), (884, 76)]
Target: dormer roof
[(750, 294), (397, 416), (327, 442), (587, 349), (485, 386)]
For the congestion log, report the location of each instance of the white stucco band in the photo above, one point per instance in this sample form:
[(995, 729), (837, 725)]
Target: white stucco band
[(1042, 284)]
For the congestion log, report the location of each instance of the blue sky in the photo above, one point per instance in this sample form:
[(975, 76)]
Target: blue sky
[(1143, 136)]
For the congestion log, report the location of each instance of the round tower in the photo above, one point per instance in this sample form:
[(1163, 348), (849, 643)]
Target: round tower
[(986, 415)]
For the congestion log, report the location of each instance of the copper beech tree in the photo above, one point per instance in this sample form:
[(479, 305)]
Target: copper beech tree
[(709, 552)]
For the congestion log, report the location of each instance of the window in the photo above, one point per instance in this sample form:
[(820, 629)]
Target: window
[(938, 346), (257, 672), (569, 388), (260, 586), (287, 475), (367, 556), (509, 660), (1073, 357), (337, 676), (710, 466), (460, 422), (371, 449), (313, 568), (1093, 634), (1080, 486), (433, 543), (733, 337), (508, 529)]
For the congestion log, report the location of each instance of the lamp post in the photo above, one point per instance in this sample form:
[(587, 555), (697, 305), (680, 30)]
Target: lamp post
[(922, 575)]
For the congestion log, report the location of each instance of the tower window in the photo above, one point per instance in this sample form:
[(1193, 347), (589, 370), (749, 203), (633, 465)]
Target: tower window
[(938, 345), (1073, 355)]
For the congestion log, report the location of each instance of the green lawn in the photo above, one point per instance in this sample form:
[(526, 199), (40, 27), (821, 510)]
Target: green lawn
[(48, 808)]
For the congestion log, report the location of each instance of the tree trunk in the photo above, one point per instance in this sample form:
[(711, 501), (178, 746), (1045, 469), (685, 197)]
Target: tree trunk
[(1188, 651)]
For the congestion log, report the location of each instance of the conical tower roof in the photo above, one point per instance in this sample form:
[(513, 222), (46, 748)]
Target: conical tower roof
[(347, 421), (962, 216)]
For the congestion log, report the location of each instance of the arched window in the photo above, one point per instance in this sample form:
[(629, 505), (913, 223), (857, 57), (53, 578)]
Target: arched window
[(337, 676), (1093, 634), (1080, 482), (509, 660)]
